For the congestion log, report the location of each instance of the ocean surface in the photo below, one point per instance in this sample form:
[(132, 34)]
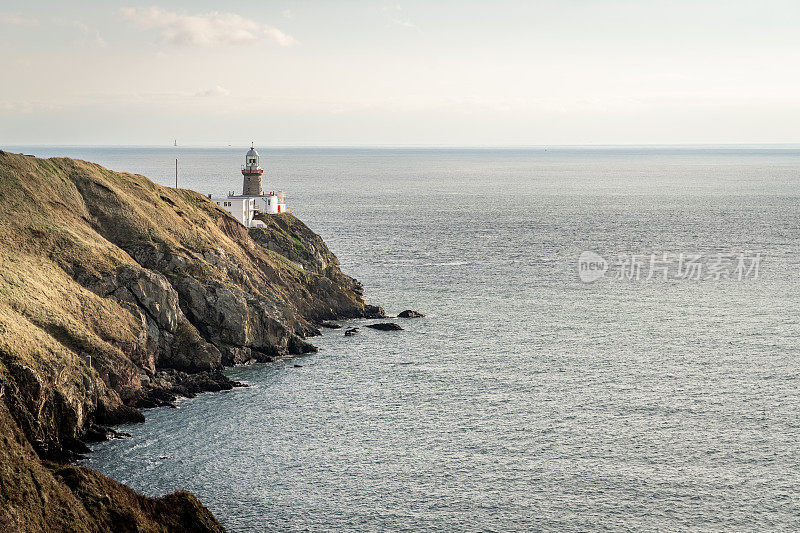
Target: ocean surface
[(527, 399)]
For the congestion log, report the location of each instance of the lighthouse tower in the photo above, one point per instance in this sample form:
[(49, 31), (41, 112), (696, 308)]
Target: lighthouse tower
[(252, 174)]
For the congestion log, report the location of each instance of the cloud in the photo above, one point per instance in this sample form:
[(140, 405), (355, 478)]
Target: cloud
[(406, 24), (16, 20), (27, 106), (394, 13), (215, 91), (90, 36), (207, 29)]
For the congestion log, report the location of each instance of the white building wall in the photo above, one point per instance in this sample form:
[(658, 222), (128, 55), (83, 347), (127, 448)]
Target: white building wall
[(281, 202), (268, 204), (271, 204), (262, 204), (242, 209)]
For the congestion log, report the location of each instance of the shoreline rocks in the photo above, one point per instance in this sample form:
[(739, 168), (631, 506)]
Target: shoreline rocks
[(97, 433)]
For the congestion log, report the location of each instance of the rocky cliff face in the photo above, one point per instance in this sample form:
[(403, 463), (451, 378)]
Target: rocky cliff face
[(116, 294)]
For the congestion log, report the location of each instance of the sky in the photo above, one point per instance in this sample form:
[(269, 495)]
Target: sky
[(408, 73)]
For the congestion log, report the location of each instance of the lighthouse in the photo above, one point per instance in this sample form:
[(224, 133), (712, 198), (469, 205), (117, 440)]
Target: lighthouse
[(252, 174), (246, 207)]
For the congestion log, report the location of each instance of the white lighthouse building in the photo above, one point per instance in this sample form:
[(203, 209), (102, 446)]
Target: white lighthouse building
[(252, 201)]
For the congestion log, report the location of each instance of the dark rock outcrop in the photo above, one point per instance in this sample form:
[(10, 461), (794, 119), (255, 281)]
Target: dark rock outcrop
[(385, 326), (350, 332), (408, 313), (98, 433)]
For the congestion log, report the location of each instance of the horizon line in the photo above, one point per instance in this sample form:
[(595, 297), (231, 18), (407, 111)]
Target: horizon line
[(421, 146)]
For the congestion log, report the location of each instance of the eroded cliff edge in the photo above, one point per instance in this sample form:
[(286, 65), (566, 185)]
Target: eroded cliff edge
[(116, 294)]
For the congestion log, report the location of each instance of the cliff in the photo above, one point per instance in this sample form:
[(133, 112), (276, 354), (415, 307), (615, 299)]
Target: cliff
[(117, 294)]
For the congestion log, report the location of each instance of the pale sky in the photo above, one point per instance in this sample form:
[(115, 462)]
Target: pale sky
[(453, 73)]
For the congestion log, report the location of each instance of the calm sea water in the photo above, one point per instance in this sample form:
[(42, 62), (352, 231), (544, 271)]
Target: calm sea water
[(526, 399)]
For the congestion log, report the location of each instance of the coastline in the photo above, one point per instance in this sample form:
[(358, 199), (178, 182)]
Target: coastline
[(119, 294)]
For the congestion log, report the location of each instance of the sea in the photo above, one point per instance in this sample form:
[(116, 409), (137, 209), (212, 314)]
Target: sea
[(611, 342)]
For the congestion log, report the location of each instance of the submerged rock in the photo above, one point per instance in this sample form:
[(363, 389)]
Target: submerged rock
[(408, 313), (350, 332), (385, 326)]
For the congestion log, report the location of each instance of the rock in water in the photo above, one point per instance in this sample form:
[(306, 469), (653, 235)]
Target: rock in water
[(408, 313), (350, 332), (385, 326), (97, 433)]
